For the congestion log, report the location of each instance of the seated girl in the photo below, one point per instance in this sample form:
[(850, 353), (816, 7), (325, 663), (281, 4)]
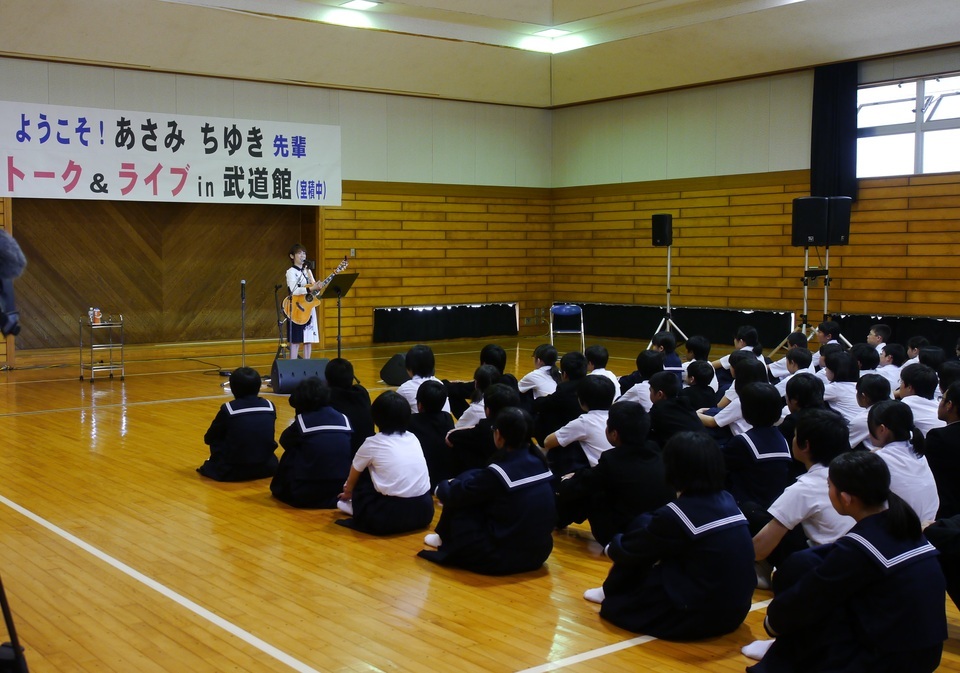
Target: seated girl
[(684, 571), (388, 489), (316, 449), (871, 601), (498, 520)]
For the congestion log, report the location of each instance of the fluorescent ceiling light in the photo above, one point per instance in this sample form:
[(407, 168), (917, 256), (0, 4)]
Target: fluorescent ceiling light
[(552, 32), (359, 4)]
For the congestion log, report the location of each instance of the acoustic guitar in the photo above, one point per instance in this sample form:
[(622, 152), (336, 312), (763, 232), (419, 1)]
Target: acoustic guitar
[(300, 308)]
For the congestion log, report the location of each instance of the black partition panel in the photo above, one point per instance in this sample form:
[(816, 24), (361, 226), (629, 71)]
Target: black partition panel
[(436, 323)]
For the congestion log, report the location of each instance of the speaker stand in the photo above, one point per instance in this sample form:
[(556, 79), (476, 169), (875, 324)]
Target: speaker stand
[(667, 323), (826, 294)]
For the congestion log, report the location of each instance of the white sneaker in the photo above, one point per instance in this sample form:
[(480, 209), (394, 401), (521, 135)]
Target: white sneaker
[(345, 506), (594, 595), (432, 540), (756, 649)]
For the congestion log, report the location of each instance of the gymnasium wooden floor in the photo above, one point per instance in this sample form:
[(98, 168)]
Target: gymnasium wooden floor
[(117, 557)]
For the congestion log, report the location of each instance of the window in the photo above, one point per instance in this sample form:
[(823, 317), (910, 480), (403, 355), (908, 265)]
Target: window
[(909, 127)]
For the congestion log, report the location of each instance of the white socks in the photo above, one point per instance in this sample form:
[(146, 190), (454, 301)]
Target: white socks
[(345, 506), (432, 540), (594, 595), (756, 649)]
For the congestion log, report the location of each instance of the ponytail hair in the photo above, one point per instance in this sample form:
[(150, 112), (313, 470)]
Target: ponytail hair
[(865, 475), (898, 418)]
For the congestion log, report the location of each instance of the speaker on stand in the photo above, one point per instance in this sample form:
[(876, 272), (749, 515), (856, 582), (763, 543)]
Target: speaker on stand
[(661, 227)]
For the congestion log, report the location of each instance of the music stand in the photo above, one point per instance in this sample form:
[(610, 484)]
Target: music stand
[(338, 288)]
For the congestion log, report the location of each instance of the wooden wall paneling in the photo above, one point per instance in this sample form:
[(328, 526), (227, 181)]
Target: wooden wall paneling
[(7, 345)]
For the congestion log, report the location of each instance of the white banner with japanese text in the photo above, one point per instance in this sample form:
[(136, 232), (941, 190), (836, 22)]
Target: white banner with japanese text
[(51, 151)]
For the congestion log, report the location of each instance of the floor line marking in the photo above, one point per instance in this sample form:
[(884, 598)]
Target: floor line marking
[(608, 649), (199, 610)]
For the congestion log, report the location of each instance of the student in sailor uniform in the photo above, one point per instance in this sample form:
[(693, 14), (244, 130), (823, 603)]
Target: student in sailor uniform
[(241, 436), (684, 571), (900, 444), (388, 490), (498, 520), (473, 447), (728, 421), (316, 449), (669, 414), (758, 461), (872, 601), (697, 349)]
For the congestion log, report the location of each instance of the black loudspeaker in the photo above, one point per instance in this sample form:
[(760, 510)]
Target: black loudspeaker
[(809, 221), (394, 373), (662, 229), (286, 374), (838, 220)]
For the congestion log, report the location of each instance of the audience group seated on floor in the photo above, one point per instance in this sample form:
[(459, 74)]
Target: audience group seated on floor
[(830, 476)]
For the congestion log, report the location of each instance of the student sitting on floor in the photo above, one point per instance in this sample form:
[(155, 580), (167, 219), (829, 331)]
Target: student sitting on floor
[(840, 393), (388, 490), (918, 385), (431, 425), (698, 350), (484, 377), (666, 343), (460, 393), (795, 361), (421, 366), (580, 442), (498, 520), (597, 358), (545, 376), (684, 571), (627, 481), (316, 449), (778, 370), (871, 389), (474, 447), (669, 414), (871, 601), (241, 436), (350, 399), (941, 450), (552, 412), (698, 392), (635, 386)]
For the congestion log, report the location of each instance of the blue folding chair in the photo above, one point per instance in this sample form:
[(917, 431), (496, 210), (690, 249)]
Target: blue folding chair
[(565, 315)]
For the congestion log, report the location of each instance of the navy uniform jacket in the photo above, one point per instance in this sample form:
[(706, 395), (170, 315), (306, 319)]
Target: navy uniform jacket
[(498, 520), (316, 459), (354, 403), (241, 439), (671, 416), (880, 598), (684, 572), (758, 466), (942, 449)]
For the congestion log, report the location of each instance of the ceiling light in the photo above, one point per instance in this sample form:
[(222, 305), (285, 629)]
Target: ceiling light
[(359, 4), (552, 32)]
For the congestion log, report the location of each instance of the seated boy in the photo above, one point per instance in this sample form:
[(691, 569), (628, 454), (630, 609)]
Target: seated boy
[(698, 391), (553, 411), (597, 358), (917, 389), (474, 447), (648, 363), (542, 380), (778, 370), (350, 399), (460, 393), (669, 414), (421, 366), (431, 425), (871, 389), (666, 343), (698, 349), (627, 480), (891, 361), (582, 440), (796, 360), (241, 436)]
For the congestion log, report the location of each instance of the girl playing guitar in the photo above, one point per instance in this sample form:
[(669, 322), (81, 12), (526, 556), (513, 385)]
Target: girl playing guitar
[(300, 280)]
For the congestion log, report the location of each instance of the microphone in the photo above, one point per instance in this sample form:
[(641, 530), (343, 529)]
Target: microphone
[(12, 260), (243, 290)]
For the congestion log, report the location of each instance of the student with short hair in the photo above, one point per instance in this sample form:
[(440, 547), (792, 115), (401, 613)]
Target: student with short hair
[(918, 385), (821, 359), (421, 366), (461, 393), (627, 480), (797, 360), (698, 392), (914, 344), (431, 425), (840, 393), (350, 399), (388, 487), (498, 520), (804, 391), (473, 447), (666, 343), (942, 450), (893, 431), (778, 370), (697, 349), (684, 571), (949, 372), (587, 431), (241, 436), (867, 357), (484, 377), (828, 332), (669, 415), (729, 422), (746, 339), (932, 356), (597, 358), (871, 389), (891, 362), (802, 515), (873, 600), (878, 336), (316, 450), (552, 412), (649, 362)]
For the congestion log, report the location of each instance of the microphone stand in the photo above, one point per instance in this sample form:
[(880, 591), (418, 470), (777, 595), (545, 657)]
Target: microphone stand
[(243, 323)]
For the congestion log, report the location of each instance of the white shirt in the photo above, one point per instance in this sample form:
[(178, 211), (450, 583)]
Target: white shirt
[(807, 502), (613, 377), (714, 385), (842, 398), (725, 360), (911, 479), (396, 464), (892, 374), (924, 413), (590, 429), (473, 415), (857, 425), (539, 381), (732, 416), (409, 391), (639, 393)]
